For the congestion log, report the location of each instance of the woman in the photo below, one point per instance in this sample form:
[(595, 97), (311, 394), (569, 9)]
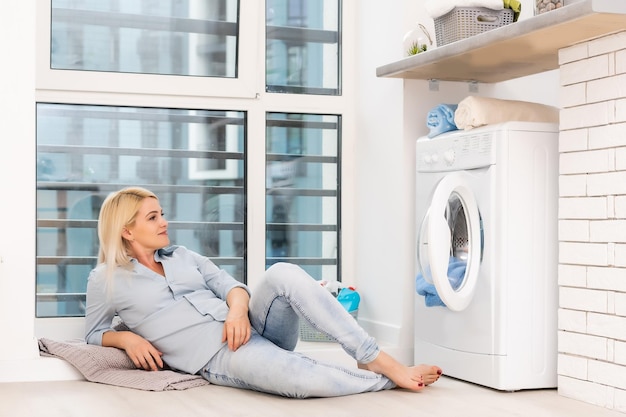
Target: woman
[(183, 311)]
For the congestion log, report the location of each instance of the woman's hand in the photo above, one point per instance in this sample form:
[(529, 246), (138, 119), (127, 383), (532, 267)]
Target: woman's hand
[(138, 349), (237, 328)]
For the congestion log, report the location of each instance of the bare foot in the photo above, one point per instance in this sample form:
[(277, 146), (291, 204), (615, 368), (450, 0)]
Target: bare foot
[(430, 373), (409, 377)]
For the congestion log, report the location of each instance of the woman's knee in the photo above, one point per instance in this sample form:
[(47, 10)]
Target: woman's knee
[(285, 267), (283, 271), (286, 278)]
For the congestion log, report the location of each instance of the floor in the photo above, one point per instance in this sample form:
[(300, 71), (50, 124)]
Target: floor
[(448, 397)]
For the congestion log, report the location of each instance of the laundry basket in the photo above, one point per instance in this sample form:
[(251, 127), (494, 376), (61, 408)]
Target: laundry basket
[(463, 22)]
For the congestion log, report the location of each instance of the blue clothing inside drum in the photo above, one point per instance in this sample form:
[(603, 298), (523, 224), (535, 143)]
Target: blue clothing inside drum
[(456, 273)]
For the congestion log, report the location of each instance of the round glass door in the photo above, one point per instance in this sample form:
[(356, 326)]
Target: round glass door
[(449, 248)]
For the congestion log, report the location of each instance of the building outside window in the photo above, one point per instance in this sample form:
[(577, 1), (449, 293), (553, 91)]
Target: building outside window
[(165, 95)]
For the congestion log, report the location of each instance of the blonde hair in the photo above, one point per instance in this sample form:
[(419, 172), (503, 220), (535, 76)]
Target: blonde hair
[(118, 211)]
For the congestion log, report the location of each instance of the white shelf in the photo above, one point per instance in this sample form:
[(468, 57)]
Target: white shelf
[(521, 48)]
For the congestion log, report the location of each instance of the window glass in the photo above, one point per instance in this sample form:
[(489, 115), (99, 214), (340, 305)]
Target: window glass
[(303, 46), (302, 192), (192, 159), (173, 37)]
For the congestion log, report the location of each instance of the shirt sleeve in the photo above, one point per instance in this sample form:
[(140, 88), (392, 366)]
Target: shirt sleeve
[(99, 313), (218, 280)]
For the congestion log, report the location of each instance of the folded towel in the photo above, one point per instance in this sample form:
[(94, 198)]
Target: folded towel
[(441, 119), (475, 111), (437, 8), (112, 366), (456, 272)]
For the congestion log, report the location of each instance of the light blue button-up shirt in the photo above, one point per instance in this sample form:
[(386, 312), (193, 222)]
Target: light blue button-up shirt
[(181, 314)]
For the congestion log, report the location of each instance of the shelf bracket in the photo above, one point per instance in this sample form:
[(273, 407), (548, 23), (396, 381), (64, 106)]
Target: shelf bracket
[(472, 86), (433, 85)]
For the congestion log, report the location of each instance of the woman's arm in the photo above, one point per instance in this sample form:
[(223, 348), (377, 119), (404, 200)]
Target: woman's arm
[(99, 316), (237, 324), (138, 349)]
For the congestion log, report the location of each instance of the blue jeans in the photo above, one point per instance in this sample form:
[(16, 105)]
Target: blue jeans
[(268, 363)]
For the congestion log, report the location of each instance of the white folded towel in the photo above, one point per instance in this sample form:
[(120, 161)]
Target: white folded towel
[(437, 8), (476, 111)]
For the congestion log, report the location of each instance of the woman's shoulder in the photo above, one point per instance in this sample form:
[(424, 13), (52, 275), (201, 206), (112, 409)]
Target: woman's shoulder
[(177, 253), (97, 276), (100, 274), (97, 271)]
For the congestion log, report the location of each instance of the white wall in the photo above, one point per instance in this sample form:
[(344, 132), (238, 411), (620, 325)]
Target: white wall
[(17, 210), (383, 249), (391, 116), (19, 357)]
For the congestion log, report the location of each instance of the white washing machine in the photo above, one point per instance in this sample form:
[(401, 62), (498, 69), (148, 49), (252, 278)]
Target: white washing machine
[(487, 200)]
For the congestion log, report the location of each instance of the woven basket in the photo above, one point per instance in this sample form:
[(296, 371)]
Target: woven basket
[(463, 22), (309, 334)]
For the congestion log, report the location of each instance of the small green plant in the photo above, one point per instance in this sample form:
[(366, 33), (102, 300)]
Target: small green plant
[(416, 48)]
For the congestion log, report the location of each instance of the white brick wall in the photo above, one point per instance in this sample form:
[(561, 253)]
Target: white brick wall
[(592, 223), (583, 207)]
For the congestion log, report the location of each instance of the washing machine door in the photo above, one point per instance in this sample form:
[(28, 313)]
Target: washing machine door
[(451, 235)]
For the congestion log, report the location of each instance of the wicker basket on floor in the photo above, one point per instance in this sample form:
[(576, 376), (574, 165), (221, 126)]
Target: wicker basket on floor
[(463, 22), (309, 334)]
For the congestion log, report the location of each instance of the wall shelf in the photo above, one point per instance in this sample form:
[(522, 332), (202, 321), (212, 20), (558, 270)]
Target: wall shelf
[(522, 48)]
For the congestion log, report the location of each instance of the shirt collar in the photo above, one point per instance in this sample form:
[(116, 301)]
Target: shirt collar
[(166, 251)]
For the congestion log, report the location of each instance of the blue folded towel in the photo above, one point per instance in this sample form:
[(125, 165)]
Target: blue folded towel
[(441, 119), (456, 272)]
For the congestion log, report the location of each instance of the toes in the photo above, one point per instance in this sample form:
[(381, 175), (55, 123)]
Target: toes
[(432, 374), (430, 380)]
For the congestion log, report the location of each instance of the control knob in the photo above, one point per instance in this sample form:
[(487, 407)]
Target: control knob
[(449, 156)]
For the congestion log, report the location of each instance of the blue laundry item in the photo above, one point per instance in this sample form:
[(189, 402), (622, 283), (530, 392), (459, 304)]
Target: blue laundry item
[(349, 299), (456, 272), (441, 119)]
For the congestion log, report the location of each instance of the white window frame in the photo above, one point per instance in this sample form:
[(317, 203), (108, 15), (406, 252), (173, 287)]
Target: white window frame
[(247, 93), (110, 82)]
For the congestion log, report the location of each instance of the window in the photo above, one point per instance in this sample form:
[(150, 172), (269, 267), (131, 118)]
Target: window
[(127, 47), (303, 46), (172, 37), (168, 95), (192, 159), (302, 203)]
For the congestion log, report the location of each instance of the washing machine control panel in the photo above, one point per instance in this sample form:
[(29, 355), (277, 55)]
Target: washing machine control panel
[(456, 151), (449, 156)]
